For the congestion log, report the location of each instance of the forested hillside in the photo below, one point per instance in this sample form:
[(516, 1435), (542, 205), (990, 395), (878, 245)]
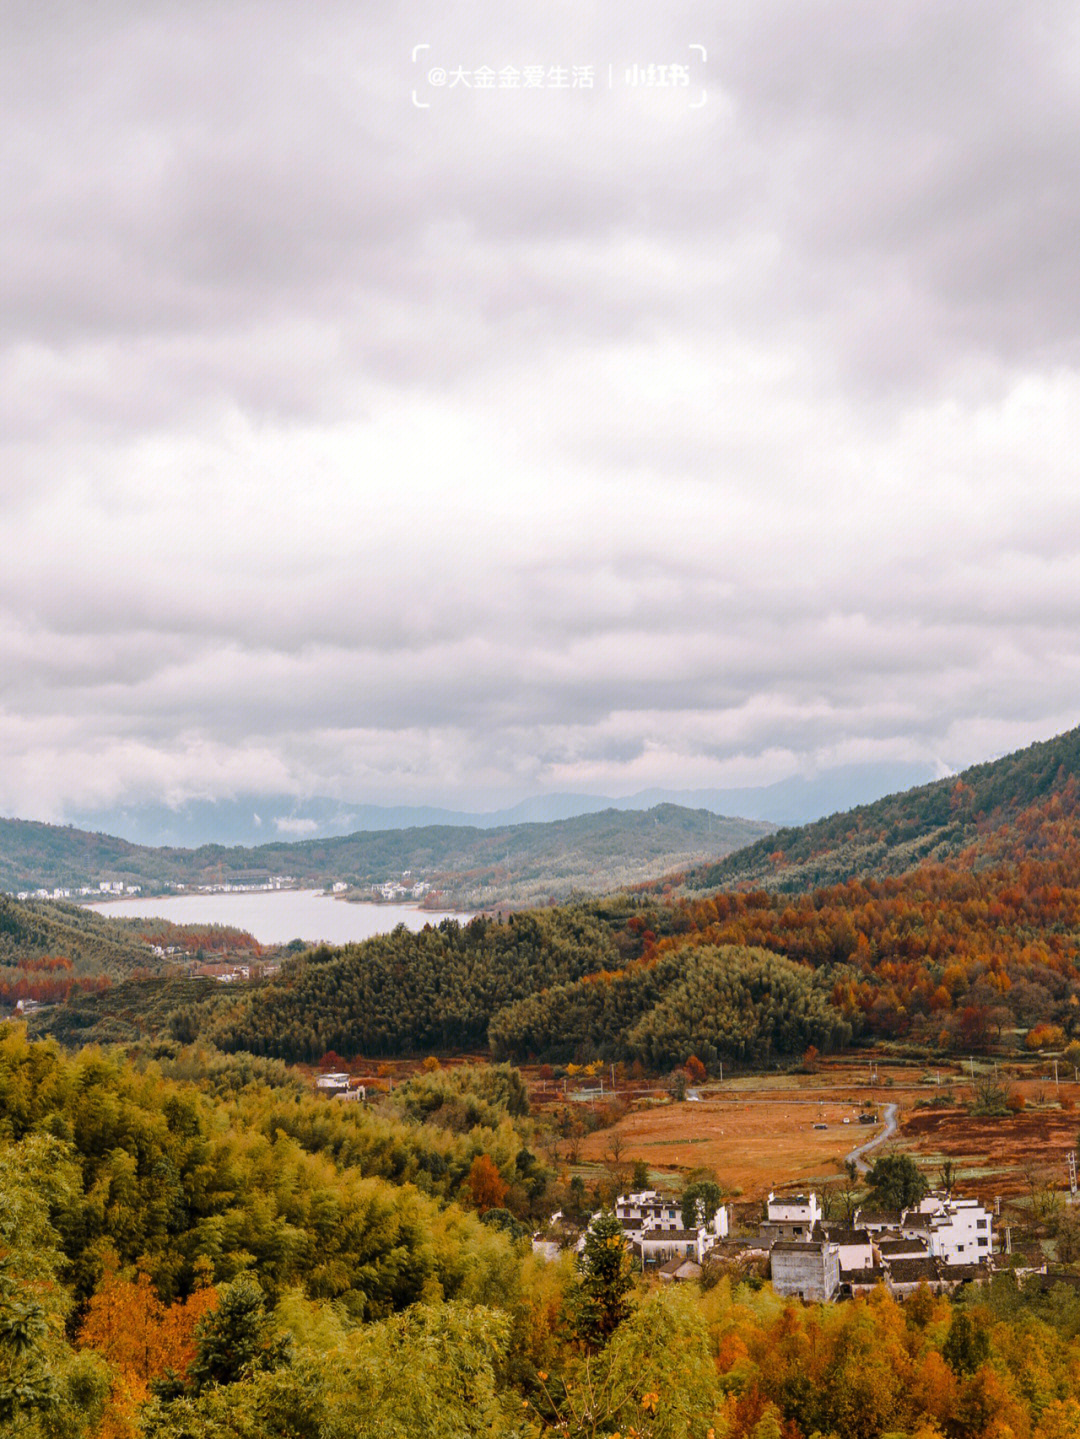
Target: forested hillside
[(951, 954), (954, 953), (198, 1249), (405, 992), (933, 822), (721, 1004), (520, 864), (49, 951)]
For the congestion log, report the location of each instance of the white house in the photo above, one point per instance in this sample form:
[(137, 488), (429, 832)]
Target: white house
[(653, 1226), (793, 1216), (961, 1231), (809, 1270), (854, 1246)]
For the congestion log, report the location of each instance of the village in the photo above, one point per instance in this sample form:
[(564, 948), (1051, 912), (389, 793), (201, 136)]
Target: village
[(941, 1241)]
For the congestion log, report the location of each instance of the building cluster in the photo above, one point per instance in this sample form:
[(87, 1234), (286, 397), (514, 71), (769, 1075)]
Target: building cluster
[(654, 1230), (942, 1241), (652, 1225), (112, 888), (403, 888), (118, 889)]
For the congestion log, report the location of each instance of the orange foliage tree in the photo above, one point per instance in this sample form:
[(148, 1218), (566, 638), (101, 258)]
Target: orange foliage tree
[(486, 1185), (141, 1337)]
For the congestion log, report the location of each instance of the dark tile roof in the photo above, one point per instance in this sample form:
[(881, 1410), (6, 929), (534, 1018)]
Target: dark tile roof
[(962, 1273), (874, 1275), (917, 1221), (675, 1266), (878, 1217), (913, 1271), (899, 1247)]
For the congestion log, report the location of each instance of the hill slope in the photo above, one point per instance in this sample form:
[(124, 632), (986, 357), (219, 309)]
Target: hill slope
[(933, 822), (51, 951)]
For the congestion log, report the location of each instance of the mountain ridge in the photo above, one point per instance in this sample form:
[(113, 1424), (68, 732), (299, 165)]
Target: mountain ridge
[(253, 819), (518, 863)]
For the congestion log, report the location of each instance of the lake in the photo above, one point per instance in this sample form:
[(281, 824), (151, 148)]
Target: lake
[(277, 916)]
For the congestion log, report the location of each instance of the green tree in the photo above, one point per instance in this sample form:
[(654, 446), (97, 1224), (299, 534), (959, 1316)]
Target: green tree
[(237, 1338), (700, 1201), (895, 1182), (966, 1345), (600, 1301)]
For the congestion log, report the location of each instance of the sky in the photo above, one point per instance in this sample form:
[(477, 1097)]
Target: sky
[(446, 404)]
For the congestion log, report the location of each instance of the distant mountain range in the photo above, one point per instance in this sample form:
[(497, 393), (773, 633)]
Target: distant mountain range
[(469, 866), (255, 819)]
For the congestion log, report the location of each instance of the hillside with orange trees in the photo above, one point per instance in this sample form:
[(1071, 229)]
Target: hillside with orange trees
[(933, 823), (951, 954), (962, 950)]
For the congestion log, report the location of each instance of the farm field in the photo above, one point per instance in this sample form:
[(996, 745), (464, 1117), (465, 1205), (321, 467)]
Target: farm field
[(1000, 1155), (759, 1132), (753, 1143)]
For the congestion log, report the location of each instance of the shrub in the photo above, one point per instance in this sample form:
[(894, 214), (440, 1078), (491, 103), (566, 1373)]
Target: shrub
[(1045, 1036)]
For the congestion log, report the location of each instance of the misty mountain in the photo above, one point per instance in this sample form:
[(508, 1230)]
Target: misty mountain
[(255, 819)]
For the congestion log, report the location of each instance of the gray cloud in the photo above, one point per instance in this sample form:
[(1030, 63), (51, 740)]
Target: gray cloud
[(534, 440)]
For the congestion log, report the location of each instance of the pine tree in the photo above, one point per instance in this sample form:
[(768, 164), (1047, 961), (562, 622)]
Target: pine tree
[(601, 1301)]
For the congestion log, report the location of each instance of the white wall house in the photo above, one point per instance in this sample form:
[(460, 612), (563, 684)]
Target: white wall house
[(653, 1225), (855, 1249), (961, 1230), (809, 1270), (793, 1215)]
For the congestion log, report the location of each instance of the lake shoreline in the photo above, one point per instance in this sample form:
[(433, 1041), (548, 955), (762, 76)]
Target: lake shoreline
[(277, 917)]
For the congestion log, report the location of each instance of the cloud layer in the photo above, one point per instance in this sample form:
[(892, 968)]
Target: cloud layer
[(537, 439)]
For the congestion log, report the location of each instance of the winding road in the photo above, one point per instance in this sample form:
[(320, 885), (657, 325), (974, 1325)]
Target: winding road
[(891, 1111)]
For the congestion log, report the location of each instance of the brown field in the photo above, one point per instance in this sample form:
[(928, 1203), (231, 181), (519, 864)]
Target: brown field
[(753, 1144), (758, 1133), (999, 1155)]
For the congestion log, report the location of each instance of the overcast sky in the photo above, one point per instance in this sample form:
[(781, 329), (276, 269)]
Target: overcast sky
[(403, 441)]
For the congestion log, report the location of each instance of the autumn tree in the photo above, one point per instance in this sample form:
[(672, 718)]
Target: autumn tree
[(487, 1188)]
